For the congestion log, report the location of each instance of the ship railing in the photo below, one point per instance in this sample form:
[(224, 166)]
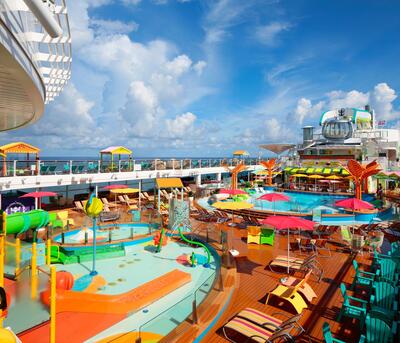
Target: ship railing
[(12, 168)]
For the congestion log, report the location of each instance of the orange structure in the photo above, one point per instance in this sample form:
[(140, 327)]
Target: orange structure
[(360, 174), (18, 148), (269, 166), (234, 173)]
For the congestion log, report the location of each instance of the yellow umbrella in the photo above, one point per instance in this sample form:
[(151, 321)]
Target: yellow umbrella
[(333, 177), (315, 176), (299, 175), (232, 205), (125, 190)]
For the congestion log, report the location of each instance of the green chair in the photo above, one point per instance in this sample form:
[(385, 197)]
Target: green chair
[(384, 301), (267, 236), (362, 278), (44, 169), (52, 170), (352, 311), (326, 329), (377, 331), (387, 271)]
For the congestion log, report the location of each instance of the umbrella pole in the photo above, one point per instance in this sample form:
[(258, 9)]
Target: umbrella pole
[(288, 248), (94, 272)]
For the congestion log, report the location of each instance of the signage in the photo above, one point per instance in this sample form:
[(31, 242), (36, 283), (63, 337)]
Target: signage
[(15, 204)]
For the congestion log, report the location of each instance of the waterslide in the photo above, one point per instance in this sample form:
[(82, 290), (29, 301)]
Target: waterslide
[(207, 264), (18, 223)]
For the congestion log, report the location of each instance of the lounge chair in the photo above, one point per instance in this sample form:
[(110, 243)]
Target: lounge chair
[(352, 307), (305, 289), (321, 245), (149, 197), (122, 200), (78, 206), (129, 201), (107, 203), (297, 264), (250, 332), (253, 234), (63, 217), (291, 295)]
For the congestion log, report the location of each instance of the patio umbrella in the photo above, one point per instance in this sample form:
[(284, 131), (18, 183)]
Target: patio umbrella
[(299, 175), (123, 191), (38, 195), (315, 177), (354, 204), (109, 187), (273, 197), (289, 222), (333, 177), (231, 191)]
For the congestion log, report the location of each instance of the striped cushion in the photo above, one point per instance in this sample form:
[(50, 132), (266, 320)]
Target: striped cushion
[(259, 318), (248, 329)]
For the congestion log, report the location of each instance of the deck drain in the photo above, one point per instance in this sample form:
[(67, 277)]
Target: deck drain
[(121, 279), (112, 283)]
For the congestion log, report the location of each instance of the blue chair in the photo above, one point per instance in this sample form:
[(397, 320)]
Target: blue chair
[(350, 310), (362, 278), (326, 329), (377, 331)]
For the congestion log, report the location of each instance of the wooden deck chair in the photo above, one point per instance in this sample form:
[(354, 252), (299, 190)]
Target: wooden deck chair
[(130, 201), (326, 329), (107, 203), (122, 200), (377, 331), (352, 307), (347, 236), (384, 301), (291, 295), (78, 206), (149, 197), (248, 332), (305, 289), (321, 245)]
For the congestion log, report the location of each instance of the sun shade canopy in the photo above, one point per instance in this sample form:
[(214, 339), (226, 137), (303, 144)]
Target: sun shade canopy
[(18, 148), (125, 190), (232, 205), (116, 150), (172, 182), (241, 153)]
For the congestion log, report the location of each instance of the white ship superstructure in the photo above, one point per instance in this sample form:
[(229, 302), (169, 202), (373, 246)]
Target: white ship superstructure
[(35, 58)]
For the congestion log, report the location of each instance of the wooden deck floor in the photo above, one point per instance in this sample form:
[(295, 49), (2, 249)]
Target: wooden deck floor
[(256, 280)]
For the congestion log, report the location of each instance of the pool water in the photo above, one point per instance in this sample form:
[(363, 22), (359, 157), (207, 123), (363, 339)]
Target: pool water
[(118, 232)]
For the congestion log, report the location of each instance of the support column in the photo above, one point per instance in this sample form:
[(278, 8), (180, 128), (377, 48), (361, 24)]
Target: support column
[(219, 177), (198, 180)]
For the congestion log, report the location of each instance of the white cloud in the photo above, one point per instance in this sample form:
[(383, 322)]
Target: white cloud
[(267, 34), (103, 27), (131, 2), (199, 67), (305, 109), (179, 65), (354, 98), (181, 126), (381, 100)]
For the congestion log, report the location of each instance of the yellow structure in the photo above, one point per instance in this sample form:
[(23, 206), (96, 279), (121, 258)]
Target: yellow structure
[(241, 153), (163, 183), (53, 290), (115, 151), (34, 272), (18, 148), (2, 253)]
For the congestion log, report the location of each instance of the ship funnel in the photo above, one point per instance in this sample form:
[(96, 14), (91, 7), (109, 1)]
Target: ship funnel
[(308, 135)]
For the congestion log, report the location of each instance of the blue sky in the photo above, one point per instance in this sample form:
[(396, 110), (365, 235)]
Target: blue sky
[(203, 78)]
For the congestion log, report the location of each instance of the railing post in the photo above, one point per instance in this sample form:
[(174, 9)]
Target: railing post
[(190, 164), (99, 166), (119, 166), (155, 164), (181, 164), (70, 166), (194, 310), (53, 290)]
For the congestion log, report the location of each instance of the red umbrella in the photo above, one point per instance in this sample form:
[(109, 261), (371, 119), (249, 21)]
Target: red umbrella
[(115, 187), (289, 222), (274, 197), (37, 195), (354, 204), (232, 191)]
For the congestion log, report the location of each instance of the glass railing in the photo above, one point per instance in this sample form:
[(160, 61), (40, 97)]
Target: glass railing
[(59, 167), (183, 310)]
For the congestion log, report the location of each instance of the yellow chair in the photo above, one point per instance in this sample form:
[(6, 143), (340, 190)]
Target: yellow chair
[(63, 216), (253, 234), (291, 295)]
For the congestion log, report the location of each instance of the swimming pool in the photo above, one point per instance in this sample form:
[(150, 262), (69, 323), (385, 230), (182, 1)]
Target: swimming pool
[(116, 232), (318, 207)]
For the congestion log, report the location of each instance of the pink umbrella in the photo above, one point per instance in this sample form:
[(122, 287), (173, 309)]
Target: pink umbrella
[(115, 187), (289, 222), (273, 197), (232, 191), (38, 195), (354, 204)]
